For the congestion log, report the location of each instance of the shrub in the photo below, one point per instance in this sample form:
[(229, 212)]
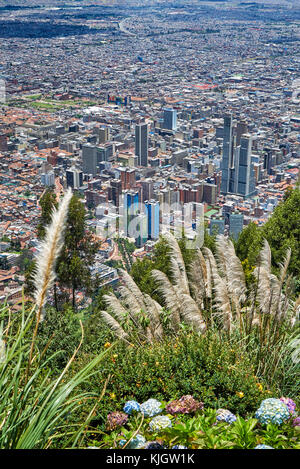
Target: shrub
[(205, 367)]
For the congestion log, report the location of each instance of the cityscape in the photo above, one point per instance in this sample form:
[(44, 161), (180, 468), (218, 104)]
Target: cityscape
[(164, 118)]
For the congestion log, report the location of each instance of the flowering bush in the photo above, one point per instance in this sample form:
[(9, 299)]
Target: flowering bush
[(159, 423), (137, 442), (184, 405), (116, 419), (296, 422), (131, 406), (151, 407), (272, 411), (225, 416), (208, 429), (291, 405)]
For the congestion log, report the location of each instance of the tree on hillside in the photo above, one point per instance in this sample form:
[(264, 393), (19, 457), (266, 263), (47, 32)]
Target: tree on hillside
[(73, 264), (282, 230), (80, 247), (249, 243), (47, 203)]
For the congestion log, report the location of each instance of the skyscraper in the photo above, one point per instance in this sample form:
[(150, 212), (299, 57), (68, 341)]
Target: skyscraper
[(141, 229), (226, 164), (141, 143), (236, 221), (170, 119), (268, 160), (237, 168), (89, 159), (152, 210), (130, 210), (217, 226), (245, 171), (74, 178)]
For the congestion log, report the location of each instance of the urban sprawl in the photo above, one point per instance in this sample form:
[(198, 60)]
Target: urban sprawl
[(155, 115)]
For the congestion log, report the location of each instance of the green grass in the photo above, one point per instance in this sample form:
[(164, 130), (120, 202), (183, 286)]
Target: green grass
[(36, 404)]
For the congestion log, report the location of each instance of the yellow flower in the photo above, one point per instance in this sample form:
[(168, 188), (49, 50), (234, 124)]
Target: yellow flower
[(112, 395), (115, 355), (260, 387), (157, 363), (240, 394), (107, 344)]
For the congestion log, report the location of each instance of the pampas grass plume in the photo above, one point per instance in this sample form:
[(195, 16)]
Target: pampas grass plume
[(48, 252)]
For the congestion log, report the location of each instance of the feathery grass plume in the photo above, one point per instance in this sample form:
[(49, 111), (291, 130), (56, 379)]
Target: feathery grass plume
[(48, 252), (222, 255), (154, 311), (279, 296), (178, 270), (221, 294), (131, 289), (191, 314), (170, 296), (209, 280), (114, 325), (235, 274), (115, 306), (265, 257), (262, 272), (198, 278)]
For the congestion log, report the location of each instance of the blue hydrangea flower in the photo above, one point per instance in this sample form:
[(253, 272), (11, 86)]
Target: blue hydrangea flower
[(272, 411), (137, 442), (159, 423), (263, 447), (224, 415), (151, 407), (179, 447), (131, 406)]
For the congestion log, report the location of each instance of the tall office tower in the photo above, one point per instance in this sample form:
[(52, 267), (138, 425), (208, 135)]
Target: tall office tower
[(48, 179), (114, 191), (130, 211), (226, 165), (110, 151), (141, 229), (127, 176), (74, 178), (152, 210), (147, 189), (244, 172), (209, 193), (236, 221), (141, 143), (241, 129), (101, 154), (237, 168), (217, 226), (103, 133), (89, 159), (268, 160), (170, 119)]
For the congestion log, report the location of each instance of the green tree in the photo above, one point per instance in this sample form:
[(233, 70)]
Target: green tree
[(282, 230), (249, 243), (47, 203), (80, 247)]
